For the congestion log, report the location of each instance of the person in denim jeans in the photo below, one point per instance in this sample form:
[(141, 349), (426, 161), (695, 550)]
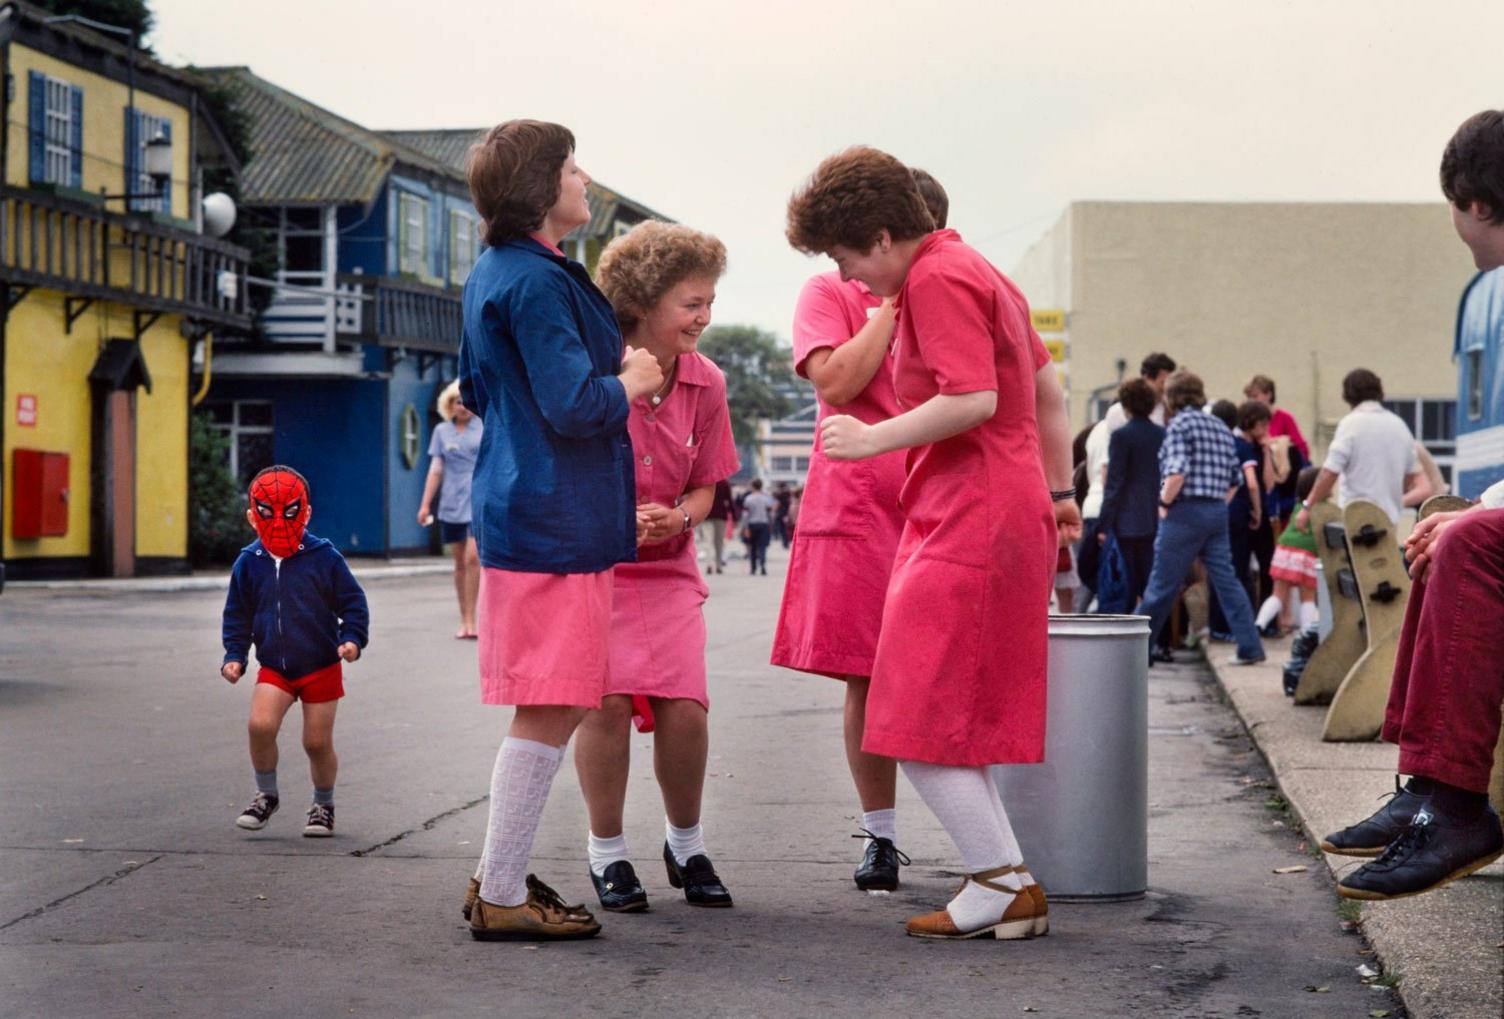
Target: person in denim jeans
[(1198, 469)]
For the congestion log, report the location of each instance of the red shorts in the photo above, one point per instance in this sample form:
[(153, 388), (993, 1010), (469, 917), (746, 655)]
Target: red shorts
[(326, 684)]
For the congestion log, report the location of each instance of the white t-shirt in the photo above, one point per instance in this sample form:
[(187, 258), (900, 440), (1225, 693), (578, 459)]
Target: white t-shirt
[(1096, 469), (1373, 450), (1116, 417)]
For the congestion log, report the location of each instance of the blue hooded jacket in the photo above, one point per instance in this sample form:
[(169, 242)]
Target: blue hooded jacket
[(298, 612)]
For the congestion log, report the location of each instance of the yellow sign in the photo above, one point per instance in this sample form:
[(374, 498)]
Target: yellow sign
[(1049, 320), (1056, 347)]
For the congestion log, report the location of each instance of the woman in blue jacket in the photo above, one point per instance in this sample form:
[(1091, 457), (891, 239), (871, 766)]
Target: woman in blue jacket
[(552, 497)]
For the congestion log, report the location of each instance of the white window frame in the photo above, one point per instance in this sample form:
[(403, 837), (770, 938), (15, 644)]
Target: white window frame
[(1443, 450), (412, 234), (148, 126), (235, 429), (462, 244), (57, 134)]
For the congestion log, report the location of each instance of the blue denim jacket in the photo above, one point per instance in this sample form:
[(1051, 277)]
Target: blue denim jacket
[(553, 485)]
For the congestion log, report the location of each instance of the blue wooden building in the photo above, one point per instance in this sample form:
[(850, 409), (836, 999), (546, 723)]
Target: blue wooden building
[(375, 235), (1480, 385)]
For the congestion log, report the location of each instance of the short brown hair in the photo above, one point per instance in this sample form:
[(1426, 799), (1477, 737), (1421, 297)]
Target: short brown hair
[(514, 176), (1137, 397), (1252, 413), (642, 265), (851, 198), (935, 198), (1472, 166), (1260, 384), (1185, 390), (1360, 385)]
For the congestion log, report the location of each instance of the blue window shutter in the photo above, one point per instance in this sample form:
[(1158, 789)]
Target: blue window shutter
[(132, 152), (76, 142), (166, 202), (36, 126)]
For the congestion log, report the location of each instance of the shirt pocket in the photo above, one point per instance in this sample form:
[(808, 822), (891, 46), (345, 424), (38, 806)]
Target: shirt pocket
[(839, 498)]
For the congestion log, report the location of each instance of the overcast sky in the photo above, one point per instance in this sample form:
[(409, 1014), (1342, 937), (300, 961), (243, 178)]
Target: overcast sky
[(712, 112)]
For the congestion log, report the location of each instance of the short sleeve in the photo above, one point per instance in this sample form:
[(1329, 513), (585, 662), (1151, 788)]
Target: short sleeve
[(718, 459), (1414, 467), (821, 319), (436, 444), (1041, 352), (1341, 449), (953, 329)]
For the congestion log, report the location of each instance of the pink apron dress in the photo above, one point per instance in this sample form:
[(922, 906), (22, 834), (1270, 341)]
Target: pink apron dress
[(960, 672), (657, 645), (849, 518)]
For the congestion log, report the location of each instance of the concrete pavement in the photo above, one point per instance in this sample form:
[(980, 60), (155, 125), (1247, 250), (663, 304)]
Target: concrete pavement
[(126, 890)]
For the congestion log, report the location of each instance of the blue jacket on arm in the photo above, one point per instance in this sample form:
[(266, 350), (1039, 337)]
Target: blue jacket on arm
[(1130, 501), (553, 489), (297, 613)]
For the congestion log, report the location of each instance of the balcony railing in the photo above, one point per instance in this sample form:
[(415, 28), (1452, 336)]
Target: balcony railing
[(93, 254), (400, 313)]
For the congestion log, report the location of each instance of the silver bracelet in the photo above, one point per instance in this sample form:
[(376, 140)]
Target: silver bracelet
[(687, 524)]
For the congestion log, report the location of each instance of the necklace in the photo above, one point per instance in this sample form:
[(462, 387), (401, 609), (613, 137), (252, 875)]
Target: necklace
[(667, 384)]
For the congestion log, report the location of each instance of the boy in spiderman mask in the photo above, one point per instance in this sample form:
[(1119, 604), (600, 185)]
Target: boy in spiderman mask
[(293, 596)]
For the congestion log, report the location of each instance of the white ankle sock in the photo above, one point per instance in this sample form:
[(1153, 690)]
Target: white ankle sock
[(519, 788), (962, 799), (1310, 615), (882, 823), (685, 842), (1269, 611), (605, 852)]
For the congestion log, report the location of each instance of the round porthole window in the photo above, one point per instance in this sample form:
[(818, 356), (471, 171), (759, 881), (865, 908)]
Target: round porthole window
[(410, 436)]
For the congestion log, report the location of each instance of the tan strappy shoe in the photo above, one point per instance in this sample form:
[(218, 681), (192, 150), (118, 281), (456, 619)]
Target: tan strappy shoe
[(472, 892), (1036, 895), (1016, 923)]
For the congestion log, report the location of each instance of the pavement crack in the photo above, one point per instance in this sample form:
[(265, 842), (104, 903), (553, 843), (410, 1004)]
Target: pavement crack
[(108, 879), (427, 825)]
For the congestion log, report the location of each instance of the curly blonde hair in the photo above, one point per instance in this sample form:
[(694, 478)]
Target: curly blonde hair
[(642, 265)]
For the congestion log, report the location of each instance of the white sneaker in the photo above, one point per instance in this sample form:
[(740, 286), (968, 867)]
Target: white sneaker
[(1240, 660), (255, 816)]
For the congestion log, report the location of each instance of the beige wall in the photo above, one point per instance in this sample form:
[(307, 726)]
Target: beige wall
[(1300, 292)]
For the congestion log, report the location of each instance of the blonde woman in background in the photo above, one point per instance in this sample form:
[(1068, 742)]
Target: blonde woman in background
[(453, 449)]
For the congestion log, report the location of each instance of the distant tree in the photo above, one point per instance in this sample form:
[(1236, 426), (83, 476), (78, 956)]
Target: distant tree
[(132, 14), (757, 367), (216, 504)]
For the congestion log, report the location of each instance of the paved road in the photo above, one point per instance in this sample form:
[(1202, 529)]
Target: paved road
[(126, 890)]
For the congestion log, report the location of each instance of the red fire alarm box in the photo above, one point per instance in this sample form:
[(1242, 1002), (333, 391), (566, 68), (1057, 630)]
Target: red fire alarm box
[(39, 494)]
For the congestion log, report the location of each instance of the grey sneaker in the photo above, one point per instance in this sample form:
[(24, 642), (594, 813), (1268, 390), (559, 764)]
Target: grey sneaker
[(320, 821), (254, 817)]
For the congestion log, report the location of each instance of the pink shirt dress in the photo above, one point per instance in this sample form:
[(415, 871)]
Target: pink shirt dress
[(657, 644), (960, 672), (849, 518)]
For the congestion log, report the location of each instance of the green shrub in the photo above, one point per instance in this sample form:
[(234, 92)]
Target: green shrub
[(216, 507)]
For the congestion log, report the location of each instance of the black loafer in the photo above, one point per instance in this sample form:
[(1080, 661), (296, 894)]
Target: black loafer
[(1369, 836), (1430, 852), (619, 889), (879, 868), (698, 879)]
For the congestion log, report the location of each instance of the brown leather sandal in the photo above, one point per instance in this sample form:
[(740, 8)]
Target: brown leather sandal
[(1016, 923)]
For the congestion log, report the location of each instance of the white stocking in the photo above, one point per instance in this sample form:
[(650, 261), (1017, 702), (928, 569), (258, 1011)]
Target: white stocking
[(519, 788), (962, 801)]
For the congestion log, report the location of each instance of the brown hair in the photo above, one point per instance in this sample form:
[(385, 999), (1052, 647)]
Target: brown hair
[(1137, 397), (1252, 413), (1260, 384), (851, 198), (935, 198), (514, 176), (1185, 390), (1360, 385), (642, 265), (1472, 166)]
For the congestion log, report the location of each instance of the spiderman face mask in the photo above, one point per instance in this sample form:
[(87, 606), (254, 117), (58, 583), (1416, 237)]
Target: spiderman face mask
[(280, 510)]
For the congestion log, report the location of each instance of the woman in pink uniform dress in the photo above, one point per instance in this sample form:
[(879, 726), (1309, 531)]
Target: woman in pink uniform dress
[(959, 679), (661, 280), (849, 524)]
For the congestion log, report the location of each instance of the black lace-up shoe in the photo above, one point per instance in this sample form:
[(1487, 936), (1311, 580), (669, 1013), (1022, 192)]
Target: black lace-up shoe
[(1432, 850), (879, 868), (320, 821), (1369, 836), (698, 879), (619, 889), (254, 817)]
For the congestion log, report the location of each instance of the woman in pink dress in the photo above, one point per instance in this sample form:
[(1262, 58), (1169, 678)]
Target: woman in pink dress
[(959, 679), (849, 524), (661, 280)]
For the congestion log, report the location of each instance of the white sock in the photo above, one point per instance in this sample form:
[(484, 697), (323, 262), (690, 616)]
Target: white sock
[(519, 788), (1310, 615), (685, 842), (605, 852), (1269, 611), (962, 801), (882, 823), (1011, 848)]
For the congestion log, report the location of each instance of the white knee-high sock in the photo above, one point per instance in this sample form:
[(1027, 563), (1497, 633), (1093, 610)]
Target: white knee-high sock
[(520, 783), (1269, 611), (1310, 615), (1011, 847), (961, 800)]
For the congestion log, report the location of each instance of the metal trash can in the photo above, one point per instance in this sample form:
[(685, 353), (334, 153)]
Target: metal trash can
[(1082, 816)]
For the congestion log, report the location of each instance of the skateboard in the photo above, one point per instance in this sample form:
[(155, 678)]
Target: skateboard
[(1378, 566), (1334, 657)]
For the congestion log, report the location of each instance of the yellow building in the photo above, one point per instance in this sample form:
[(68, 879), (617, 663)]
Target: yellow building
[(108, 281)]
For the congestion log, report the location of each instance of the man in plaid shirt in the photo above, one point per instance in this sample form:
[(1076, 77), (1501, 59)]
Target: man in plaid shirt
[(1198, 470)]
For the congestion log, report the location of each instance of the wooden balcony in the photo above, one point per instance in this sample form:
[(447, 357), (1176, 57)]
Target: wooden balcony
[(401, 313), (92, 254)]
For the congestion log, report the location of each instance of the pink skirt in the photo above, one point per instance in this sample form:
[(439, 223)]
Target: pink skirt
[(543, 637), (1294, 566), (658, 633)]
